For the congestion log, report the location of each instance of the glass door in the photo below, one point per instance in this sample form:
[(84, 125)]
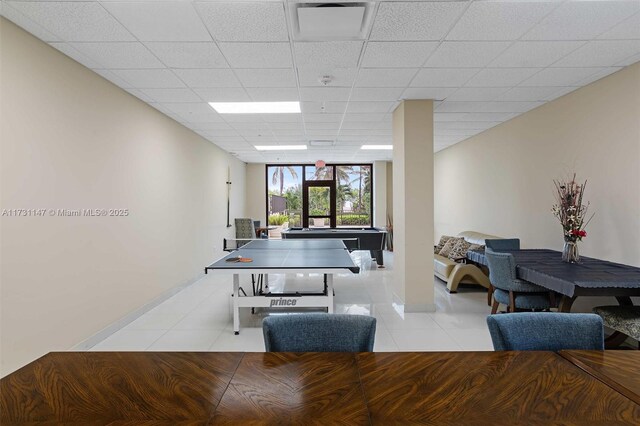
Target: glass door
[(319, 204)]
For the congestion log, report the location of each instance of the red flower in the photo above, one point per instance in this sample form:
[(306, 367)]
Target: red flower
[(579, 233)]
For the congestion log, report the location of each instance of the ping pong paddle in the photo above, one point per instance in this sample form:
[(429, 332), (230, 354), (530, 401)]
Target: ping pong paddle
[(240, 259)]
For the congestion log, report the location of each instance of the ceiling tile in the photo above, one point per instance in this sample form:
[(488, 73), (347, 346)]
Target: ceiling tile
[(268, 94), (385, 77), (160, 21), (476, 94), (171, 95), (243, 118), (209, 126), (376, 94), (74, 21), (358, 107), (323, 118), (109, 75), (535, 53), (600, 53), (323, 107), (282, 118), (428, 92), (448, 116), (559, 76), (264, 21), (71, 52), (144, 79), (488, 116), (523, 94), (339, 54), (384, 54), (257, 55), (196, 112), (359, 125), (340, 77), (560, 91), (465, 54), (454, 106), (630, 60), (222, 94), (119, 55), (364, 117), (138, 94), (627, 29), (324, 94), (271, 77), (208, 77), (27, 24), (474, 125), (311, 125), (415, 20), (443, 77), (188, 54), (598, 75), (501, 77), (582, 20), (498, 20)]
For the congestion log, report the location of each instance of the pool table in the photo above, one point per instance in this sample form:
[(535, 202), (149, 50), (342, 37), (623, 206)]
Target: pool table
[(372, 239)]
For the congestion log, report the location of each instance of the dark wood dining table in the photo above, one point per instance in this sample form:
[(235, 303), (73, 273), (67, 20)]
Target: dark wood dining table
[(438, 388), (589, 277)]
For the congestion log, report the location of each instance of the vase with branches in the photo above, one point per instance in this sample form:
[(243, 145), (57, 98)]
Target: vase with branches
[(572, 214)]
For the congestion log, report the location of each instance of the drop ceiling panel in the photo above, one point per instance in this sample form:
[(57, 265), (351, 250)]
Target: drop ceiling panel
[(465, 54), (257, 55), (160, 21), (443, 77), (397, 54), (499, 20), (600, 53), (222, 94), (385, 77), (483, 62), (171, 95), (150, 79), (261, 94), (501, 77), (264, 21), (340, 77), (559, 76), (266, 77), (119, 55), (188, 54), (376, 94), (74, 21), (339, 54), (582, 20), (214, 77), (535, 53), (415, 20)]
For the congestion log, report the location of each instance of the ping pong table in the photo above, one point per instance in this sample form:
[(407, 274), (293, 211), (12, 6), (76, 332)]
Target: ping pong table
[(284, 257)]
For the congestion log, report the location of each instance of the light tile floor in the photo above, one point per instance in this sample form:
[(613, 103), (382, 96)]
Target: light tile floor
[(199, 317)]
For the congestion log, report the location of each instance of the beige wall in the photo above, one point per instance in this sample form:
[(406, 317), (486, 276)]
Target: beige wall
[(500, 182), (256, 192), (380, 194), (72, 140)]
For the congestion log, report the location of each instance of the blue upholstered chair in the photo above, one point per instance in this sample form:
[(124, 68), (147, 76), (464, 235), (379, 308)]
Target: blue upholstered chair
[(546, 331), (509, 290), (319, 333), (503, 244), (500, 244)]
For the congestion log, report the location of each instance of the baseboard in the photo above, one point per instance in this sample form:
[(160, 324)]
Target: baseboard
[(132, 316)]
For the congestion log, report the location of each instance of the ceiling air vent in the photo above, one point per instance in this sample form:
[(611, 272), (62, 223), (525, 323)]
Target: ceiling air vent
[(322, 143), (330, 21)]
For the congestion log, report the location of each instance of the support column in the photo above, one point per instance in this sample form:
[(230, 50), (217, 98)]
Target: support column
[(413, 205)]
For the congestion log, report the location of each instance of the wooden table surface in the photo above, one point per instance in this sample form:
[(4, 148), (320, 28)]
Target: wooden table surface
[(313, 388), (618, 369)]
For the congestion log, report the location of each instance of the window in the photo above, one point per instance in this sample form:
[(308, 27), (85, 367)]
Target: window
[(336, 195)]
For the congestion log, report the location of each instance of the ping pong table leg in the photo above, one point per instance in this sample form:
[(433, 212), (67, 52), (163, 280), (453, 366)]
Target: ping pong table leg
[(236, 308), (330, 293)]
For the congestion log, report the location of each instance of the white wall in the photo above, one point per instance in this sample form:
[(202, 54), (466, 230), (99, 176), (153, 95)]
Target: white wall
[(256, 197), (72, 140), (501, 181)]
